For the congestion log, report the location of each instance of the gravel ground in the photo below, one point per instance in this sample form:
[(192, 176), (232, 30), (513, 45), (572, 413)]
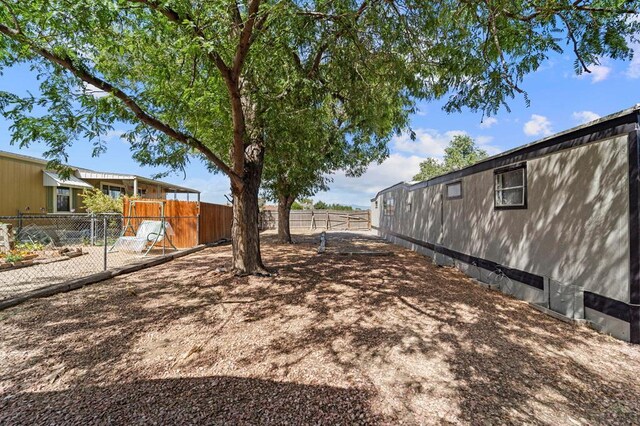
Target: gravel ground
[(17, 281), (330, 339)]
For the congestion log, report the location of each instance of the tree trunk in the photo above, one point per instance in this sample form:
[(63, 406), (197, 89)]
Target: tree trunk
[(284, 211), (244, 231)]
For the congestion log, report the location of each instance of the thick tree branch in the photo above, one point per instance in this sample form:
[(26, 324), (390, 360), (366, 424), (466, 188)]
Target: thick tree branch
[(67, 63), (244, 43)]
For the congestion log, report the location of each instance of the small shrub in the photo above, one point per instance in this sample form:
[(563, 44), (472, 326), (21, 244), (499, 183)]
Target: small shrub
[(12, 257), (30, 246), (97, 201)]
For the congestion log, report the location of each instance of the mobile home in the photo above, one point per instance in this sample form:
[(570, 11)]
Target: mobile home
[(555, 222)]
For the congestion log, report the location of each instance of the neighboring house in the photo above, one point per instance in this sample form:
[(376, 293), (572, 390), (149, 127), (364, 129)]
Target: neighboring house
[(27, 187), (555, 222)]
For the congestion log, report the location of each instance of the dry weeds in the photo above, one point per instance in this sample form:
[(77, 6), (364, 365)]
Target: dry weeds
[(330, 340)]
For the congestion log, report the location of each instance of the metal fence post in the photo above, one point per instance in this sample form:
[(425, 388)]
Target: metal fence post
[(93, 229), (104, 230), (164, 235)]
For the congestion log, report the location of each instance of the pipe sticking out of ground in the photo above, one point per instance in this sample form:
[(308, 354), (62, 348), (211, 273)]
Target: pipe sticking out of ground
[(323, 242)]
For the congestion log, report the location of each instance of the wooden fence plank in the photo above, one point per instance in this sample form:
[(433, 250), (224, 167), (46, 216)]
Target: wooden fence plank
[(193, 223)]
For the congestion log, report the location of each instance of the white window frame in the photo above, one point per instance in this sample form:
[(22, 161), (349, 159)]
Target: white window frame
[(522, 167), (55, 199)]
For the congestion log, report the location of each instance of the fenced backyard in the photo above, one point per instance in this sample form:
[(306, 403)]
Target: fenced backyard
[(39, 251), (329, 339), (339, 220)]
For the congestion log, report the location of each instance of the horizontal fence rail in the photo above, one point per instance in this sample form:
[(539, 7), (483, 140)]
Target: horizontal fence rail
[(320, 219)]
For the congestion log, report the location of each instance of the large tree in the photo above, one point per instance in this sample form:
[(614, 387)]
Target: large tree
[(461, 152), (204, 79), (310, 144)]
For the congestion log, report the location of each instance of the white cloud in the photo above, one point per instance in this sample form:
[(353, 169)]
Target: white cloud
[(401, 166), (633, 70), (428, 142), (115, 134), (585, 116), (537, 125), (90, 89), (359, 191), (599, 73), (488, 122), (484, 142)]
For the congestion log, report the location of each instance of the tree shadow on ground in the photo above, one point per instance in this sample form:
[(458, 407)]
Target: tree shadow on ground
[(426, 343), (204, 400)]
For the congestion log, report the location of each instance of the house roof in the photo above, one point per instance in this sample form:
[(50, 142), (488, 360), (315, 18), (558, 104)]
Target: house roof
[(92, 174), (620, 118)]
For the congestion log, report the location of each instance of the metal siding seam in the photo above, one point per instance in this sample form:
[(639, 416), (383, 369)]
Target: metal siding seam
[(634, 235)]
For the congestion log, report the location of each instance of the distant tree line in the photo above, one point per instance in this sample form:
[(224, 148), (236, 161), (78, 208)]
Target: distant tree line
[(308, 204)]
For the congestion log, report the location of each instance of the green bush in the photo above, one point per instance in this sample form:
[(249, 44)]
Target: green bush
[(97, 201), (13, 257), (30, 246)]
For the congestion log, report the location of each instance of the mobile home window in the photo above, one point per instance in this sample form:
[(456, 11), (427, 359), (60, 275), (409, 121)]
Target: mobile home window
[(389, 206), (454, 190), (63, 199), (511, 187)]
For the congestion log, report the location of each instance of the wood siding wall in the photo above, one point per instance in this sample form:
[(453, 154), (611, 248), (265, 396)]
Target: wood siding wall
[(191, 222), (21, 187)]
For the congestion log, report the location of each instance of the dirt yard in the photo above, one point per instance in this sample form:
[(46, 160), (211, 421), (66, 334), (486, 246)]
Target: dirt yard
[(331, 339)]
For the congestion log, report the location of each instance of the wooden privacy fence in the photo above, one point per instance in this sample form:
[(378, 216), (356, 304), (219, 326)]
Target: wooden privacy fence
[(320, 219), (192, 222), (215, 222)]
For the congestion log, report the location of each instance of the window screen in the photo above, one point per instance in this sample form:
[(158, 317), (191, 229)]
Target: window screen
[(511, 187), (454, 190)]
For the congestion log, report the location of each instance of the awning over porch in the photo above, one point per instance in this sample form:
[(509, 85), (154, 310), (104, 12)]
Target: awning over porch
[(54, 179), (135, 180)]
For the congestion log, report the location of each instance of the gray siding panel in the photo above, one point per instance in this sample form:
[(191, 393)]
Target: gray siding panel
[(574, 232)]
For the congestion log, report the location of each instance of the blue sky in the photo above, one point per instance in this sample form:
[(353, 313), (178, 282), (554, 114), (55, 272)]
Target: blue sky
[(559, 100)]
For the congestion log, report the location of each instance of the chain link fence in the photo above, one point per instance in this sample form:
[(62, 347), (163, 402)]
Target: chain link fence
[(39, 251)]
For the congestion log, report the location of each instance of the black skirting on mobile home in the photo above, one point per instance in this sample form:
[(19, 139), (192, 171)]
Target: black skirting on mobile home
[(555, 222)]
